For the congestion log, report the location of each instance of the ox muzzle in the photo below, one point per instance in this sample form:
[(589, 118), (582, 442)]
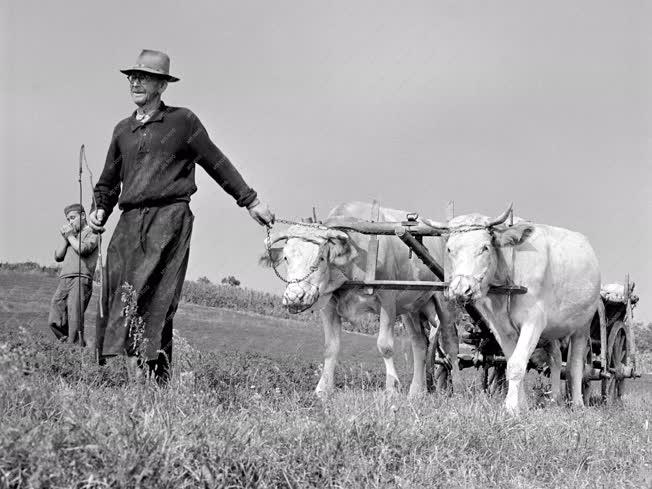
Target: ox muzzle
[(465, 288), (300, 296)]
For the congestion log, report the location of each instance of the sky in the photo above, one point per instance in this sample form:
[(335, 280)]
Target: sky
[(544, 104)]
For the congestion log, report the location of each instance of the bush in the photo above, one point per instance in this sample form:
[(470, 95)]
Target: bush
[(643, 336), (31, 267), (231, 280)]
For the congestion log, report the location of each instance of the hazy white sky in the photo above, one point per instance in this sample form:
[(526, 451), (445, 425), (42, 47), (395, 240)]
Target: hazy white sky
[(547, 104)]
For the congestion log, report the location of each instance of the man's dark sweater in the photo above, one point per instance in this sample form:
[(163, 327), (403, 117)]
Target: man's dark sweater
[(155, 162)]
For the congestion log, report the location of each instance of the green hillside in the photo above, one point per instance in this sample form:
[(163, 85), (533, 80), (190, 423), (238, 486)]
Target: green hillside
[(25, 300)]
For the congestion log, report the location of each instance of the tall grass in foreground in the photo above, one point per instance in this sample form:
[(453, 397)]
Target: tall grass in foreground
[(244, 420)]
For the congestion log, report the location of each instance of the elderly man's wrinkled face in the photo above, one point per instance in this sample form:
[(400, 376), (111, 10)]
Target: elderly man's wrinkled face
[(145, 87)]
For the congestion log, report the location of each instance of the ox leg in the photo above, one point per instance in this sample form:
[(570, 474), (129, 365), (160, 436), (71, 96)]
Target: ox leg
[(516, 399), (438, 308), (419, 347), (554, 363), (332, 324), (575, 365), (385, 343)]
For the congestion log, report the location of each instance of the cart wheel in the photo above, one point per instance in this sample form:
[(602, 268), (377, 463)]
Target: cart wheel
[(438, 377), (586, 383), (494, 379), (430, 365), (443, 379), (617, 358)]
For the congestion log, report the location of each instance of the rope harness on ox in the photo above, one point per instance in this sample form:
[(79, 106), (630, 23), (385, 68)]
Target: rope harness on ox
[(315, 265), (303, 282)]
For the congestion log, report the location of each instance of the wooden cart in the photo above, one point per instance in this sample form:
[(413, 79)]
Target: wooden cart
[(611, 356)]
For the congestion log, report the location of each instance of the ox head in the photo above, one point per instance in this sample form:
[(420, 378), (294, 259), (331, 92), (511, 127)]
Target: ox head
[(312, 256), (472, 249)]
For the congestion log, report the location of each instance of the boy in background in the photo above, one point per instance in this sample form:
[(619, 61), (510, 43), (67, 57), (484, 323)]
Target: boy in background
[(66, 317)]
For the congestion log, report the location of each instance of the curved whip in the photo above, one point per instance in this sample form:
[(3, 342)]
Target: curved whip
[(82, 157)]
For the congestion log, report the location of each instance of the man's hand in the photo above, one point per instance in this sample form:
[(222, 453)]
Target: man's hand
[(96, 220), (66, 230), (261, 213)]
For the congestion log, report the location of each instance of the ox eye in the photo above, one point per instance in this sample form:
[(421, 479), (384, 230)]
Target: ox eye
[(484, 249)]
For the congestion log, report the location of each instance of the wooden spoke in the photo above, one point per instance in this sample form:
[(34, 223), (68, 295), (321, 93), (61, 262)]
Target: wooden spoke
[(617, 359), (494, 379)]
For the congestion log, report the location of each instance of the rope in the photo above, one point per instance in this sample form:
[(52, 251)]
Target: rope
[(467, 228), (297, 223)]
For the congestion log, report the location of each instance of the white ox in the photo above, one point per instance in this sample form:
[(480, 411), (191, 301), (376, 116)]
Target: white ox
[(320, 260), (560, 270)]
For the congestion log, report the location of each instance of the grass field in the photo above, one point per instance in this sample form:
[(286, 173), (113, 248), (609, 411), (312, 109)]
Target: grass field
[(240, 413), (25, 301)]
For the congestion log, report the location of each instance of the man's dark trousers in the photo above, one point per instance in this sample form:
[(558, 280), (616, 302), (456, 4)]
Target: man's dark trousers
[(149, 250)]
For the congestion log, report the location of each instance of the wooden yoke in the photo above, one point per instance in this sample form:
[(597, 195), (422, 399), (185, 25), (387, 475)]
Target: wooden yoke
[(372, 250)]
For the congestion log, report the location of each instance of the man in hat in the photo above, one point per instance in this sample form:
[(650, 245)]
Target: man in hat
[(66, 318), (150, 173)]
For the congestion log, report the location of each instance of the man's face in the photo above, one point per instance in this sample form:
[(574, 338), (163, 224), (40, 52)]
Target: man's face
[(145, 87), (73, 218)]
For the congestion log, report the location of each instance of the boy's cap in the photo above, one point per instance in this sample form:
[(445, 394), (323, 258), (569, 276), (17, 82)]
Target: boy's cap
[(73, 207)]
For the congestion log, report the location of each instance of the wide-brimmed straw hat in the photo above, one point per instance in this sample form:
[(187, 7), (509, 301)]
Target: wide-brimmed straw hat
[(153, 62)]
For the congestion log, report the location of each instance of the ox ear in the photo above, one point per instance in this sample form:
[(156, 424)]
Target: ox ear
[(271, 258), (513, 235), (340, 251)]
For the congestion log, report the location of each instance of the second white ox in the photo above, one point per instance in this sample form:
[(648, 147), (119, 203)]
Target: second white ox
[(561, 272), (320, 260)]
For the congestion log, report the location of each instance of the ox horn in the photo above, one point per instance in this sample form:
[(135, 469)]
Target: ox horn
[(437, 226), (502, 218)]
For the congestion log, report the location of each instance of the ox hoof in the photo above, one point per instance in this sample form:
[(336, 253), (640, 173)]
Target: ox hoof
[(513, 411), (514, 408), (417, 390), (392, 384), (323, 394)]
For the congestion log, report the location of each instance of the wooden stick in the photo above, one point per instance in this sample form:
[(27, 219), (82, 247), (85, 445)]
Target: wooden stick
[(603, 335), (372, 250)]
